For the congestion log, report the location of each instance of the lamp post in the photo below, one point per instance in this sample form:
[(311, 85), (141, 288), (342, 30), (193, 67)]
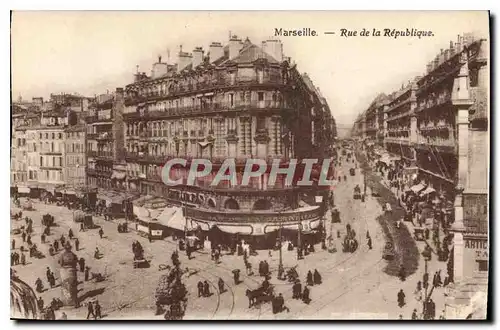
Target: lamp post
[(280, 266)]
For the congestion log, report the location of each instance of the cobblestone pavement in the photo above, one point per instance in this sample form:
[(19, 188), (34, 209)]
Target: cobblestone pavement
[(354, 284)]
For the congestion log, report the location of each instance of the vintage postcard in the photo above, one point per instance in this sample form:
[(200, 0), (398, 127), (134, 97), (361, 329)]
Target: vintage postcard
[(249, 165)]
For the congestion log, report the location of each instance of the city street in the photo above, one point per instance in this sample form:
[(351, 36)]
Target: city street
[(346, 276)]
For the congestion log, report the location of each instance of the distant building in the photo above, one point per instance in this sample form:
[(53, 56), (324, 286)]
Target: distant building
[(75, 155)]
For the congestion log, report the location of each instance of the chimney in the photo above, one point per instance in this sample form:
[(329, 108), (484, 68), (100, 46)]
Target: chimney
[(216, 51), (184, 60), (197, 56), (235, 46), (274, 48)]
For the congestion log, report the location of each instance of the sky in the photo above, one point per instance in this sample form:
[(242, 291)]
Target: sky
[(90, 52)]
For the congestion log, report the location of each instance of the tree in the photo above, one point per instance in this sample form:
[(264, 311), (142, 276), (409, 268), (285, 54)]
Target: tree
[(23, 299)]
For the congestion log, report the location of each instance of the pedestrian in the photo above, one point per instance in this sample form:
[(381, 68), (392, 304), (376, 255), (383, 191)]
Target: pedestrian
[(23, 259), (70, 233), (90, 310), (82, 228), (438, 279), (87, 269), (317, 277), (200, 289), (401, 298), (221, 285), (96, 253), (56, 245), (419, 286), (309, 279), (206, 289), (23, 235), (97, 309), (42, 238), (305, 295), (52, 280), (442, 316), (414, 315), (81, 263), (13, 244), (39, 285), (40, 303), (296, 289), (47, 274), (63, 240), (77, 244), (64, 317), (188, 252), (101, 232), (432, 309)]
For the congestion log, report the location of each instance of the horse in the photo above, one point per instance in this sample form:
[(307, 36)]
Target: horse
[(258, 296)]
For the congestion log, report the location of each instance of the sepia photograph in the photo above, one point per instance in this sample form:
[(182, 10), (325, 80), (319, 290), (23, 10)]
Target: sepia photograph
[(249, 165)]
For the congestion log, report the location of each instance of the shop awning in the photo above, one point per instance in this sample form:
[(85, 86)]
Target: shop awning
[(23, 190), (428, 190), (173, 217), (244, 230), (417, 188)]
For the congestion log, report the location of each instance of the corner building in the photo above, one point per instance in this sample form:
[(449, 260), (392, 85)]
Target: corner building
[(240, 101)]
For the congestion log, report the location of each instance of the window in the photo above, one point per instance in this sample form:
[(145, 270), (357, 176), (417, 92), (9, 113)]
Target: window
[(53, 136), (231, 100), (261, 96), (52, 147), (59, 136), (40, 135), (482, 265), (41, 161)]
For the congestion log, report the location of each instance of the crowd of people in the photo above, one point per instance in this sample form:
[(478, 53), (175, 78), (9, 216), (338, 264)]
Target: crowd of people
[(418, 204)]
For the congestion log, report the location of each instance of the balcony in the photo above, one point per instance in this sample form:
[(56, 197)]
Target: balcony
[(100, 154), (96, 172), (146, 158), (206, 109), (202, 87), (96, 119)]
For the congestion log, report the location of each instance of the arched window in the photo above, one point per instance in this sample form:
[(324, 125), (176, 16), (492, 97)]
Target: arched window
[(231, 204), (211, 203)]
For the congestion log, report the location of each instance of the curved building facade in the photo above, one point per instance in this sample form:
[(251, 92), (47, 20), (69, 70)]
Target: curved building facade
[(240, 102)]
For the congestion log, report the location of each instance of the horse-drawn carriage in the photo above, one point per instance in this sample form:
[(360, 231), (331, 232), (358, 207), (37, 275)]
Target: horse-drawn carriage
[(139, 260), (350, 243), (419, 234), (357, 192), (86, 218), (260, 295), (335, 216), (171, 292), (388, 253), (48, 220)]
